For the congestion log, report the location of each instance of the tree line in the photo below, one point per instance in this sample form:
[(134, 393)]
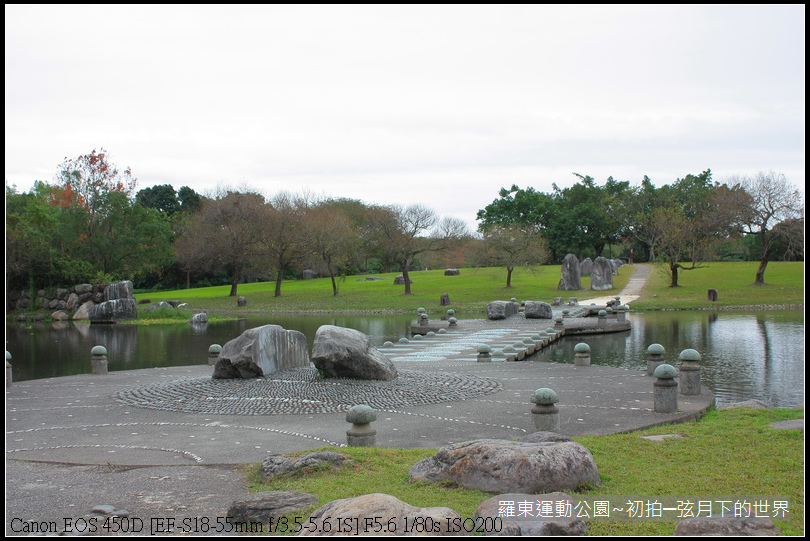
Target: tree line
[(91, 225)]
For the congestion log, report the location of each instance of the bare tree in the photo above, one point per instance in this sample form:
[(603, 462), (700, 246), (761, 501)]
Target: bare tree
[(402, 233), (771, 200), (512, 245), (332, 237), (225, 233), (284, 233)]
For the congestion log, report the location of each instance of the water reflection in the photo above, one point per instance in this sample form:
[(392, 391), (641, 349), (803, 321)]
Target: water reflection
[(744, 354)]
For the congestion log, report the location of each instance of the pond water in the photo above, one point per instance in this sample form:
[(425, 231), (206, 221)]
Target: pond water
[(744, 355)]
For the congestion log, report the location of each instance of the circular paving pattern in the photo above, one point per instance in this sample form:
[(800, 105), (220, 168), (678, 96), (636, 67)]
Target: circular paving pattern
[(303, 391)]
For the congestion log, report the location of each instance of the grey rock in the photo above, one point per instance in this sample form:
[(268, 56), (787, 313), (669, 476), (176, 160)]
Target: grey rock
[(60, 316), (544, 436), (346, 353), (501, 466), (452, 272), (280, 464), (400, 280), (268, 506), (114, 310), (601, 275), (753, 404), (399, 517), (532, 525), (537, 310), (198, 319), (309, 274), (570, 279), (502, 309), (585, 267), (726, 526), (261, 351), (121, 290), (84, 311)]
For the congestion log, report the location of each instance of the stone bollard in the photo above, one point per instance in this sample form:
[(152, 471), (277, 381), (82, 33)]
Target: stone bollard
[(361, 434), (621, 314), (98, 360), (665, 389), (655, 357), (423, 320), (8, 369), (602, 316), (241, 301), (213, 354), (690, 372), (444, 300), (582, 354), (452, 322), (712, 295), (558, 323), (484, 353), (545, 415)]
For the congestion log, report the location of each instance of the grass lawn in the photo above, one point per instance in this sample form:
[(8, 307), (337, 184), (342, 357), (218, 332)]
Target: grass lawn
[(729, 452), (475, 287)]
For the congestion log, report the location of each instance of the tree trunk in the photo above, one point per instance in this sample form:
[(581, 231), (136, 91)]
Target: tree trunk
[(509, 270), (760, 281), (673, 269), (279, 278), (334, 284), (234, 285), (407, 279)]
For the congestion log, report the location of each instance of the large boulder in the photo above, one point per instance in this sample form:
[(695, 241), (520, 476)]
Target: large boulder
[(570, 279), (381, 514), (537, 310), (261, 351), (502, 309), (269, 506), (339, 352), (601, 275), (501, 466), (274, 465), (113, 310), (532, 522)]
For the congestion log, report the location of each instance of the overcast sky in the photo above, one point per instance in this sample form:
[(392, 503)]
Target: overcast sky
[(442, 105)]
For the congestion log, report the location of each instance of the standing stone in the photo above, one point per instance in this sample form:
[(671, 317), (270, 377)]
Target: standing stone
[(537, 310), (585, 267), (452, 272), (601, 275), (339, 352), (261, 351), (569, 274)]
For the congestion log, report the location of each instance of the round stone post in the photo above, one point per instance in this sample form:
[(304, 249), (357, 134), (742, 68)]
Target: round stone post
[(361, 434), (452, 321), (484, 353), (558, 323), (621, 313), (665, 389), (655, 357), (545, 414), (690, 372), (8, 369), (98, 360), (602, 316), (582, 354), (213, 354)]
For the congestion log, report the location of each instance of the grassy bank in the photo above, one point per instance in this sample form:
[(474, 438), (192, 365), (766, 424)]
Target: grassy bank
[(475, 287), (731, 452)]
